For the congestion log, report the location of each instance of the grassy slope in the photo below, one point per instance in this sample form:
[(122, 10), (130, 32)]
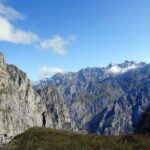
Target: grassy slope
[(51, 139)]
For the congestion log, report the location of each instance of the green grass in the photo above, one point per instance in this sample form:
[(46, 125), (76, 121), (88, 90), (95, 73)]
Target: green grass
[(51, 139)]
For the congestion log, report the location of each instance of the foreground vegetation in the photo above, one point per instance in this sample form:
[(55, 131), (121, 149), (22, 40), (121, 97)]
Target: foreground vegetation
[(51, 139)]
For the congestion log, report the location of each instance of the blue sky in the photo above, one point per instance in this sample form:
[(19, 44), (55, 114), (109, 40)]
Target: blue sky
[(43, 37)]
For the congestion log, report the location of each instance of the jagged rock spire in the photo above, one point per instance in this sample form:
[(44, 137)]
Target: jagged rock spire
[(2, 60)]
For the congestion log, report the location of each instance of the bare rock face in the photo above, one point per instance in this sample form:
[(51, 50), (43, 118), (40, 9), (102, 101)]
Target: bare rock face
[(2, 61), (57, 110), (3, 72), (20, 106)]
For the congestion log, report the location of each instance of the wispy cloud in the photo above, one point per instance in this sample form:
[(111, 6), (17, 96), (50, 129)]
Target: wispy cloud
[(46, 71), (57, 44), (10, 33), (9, 12)]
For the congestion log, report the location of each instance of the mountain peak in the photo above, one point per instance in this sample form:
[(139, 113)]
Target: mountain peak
[(123, 67)]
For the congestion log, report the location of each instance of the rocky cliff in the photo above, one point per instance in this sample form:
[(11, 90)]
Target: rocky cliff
[(56, 109), (21, 107)]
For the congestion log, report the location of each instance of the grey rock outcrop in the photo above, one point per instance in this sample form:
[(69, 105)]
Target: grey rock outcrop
[(56, 109), (21, 107)]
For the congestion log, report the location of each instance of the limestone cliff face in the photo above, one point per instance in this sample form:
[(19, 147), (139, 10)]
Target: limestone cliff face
[(20, 106), (57, 110)]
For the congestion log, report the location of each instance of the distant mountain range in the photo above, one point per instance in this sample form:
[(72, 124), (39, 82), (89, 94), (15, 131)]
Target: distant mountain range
[(111, 100), (108, 100)]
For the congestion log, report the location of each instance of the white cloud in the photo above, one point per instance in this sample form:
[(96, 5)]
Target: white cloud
[(9, 12), (57, 44), (115, 69), (46, 71), (10, 33)]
